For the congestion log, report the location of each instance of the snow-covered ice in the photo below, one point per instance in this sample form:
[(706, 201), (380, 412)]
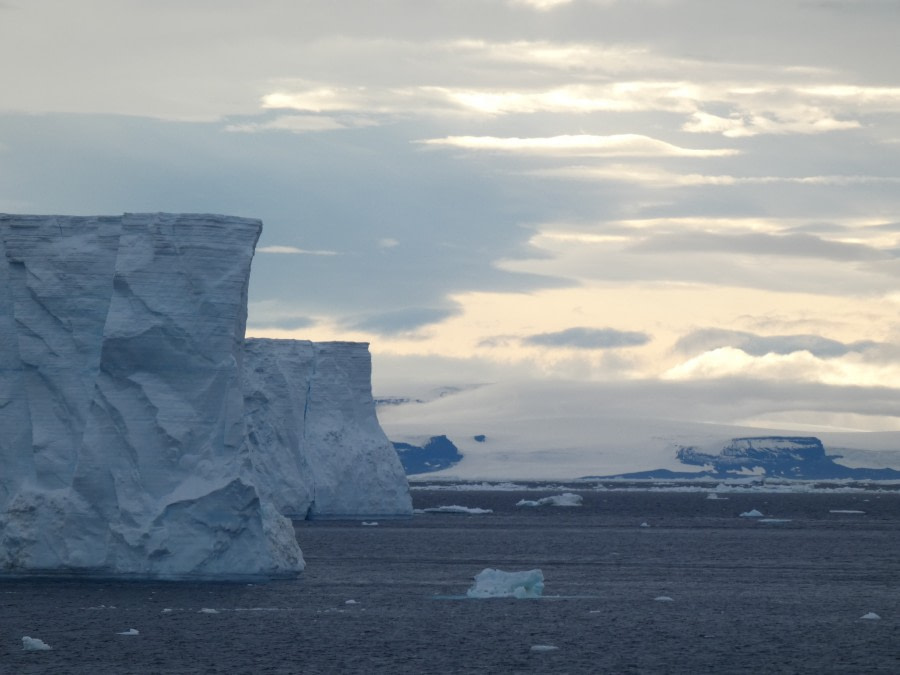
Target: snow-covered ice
[(121, 410), (130, 631), (544, 648), (34, 644), (140, 434), (313, 435), (663, 598), (455, 508), (494, 583), (753, 513), (208, 610), (870, 616), (564, 499)]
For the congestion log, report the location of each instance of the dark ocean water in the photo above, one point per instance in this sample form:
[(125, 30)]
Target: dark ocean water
[(747, 597)]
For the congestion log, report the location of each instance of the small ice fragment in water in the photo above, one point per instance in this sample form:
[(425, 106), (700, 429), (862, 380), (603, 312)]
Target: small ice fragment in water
[(34, 644), (751, 514), (663, 598), (167, 609), (849, 511), (870, 616), (491, 583), (369, 524), (645, 524), (565, 499), (207, 610), (454, 508), (350, 602), (543, 648), (130, 631)]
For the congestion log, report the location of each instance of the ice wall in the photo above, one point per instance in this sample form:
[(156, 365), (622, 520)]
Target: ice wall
[(121, 401), (315, 441)]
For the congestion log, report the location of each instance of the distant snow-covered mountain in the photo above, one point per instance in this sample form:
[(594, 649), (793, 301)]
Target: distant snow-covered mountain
[(567, 430)]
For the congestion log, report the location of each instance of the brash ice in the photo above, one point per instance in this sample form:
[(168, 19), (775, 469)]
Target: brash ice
[(123, 431)]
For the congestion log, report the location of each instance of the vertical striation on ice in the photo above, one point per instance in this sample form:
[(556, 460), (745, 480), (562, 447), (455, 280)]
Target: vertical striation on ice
[(121, 400), (317, 448)]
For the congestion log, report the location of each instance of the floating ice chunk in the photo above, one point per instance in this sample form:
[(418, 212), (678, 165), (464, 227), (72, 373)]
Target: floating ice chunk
[(645, 524), (847, 511), (751, 514), (492, 583), (663, 598), (543, 648), (454, 508), (871, 616), (774, 521), (130, 631), (350, 602), (369, 524), (208, 610), (31, 644), (713, 496), (565, 499)]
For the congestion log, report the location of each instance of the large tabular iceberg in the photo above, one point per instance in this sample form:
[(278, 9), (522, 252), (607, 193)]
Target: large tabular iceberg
[(314, 438), (123, 439)]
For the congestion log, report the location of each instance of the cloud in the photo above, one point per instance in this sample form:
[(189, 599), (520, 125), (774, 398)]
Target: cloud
[(402, 320), (540, 5), (300, 124), (619, 145), (589, 338), (710, 339), (292, 250), (758, 243), (643, 174)]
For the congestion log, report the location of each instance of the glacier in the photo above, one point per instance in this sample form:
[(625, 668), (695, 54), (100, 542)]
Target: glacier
[(123, 405)]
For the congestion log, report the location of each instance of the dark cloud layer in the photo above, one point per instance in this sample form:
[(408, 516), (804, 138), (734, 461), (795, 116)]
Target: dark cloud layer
[(589, 338), (760, 345)]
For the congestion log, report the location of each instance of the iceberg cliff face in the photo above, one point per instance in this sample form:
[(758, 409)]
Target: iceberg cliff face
[(121, 400), (315, 441)]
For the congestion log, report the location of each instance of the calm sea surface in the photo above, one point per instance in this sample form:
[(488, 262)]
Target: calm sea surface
[(746, 596)]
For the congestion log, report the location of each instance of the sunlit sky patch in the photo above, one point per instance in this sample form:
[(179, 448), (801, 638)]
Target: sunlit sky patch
[(670, 191)]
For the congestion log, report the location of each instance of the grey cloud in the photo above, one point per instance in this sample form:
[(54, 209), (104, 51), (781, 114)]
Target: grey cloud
[(760, 345), (795, 245), (287, 323), (403, 320), (589, 338)]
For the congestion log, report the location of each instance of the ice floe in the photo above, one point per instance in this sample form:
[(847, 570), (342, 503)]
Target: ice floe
[(544, 648), (564, 499), (31, 644), (130, 631), (752, 514), (494, 583), (663, 598), (454, 508), (870, 616)]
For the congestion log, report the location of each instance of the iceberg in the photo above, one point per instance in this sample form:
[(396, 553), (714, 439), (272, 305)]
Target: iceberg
[(494, 583), (565, 499), (140, 434), (317, 448), (31, 644)]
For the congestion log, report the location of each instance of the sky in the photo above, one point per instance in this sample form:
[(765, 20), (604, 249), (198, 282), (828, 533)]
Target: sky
[(692, 195)]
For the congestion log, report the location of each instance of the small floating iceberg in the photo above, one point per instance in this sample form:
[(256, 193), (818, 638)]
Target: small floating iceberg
[(455, 508), (751, 514), (130, 631), (871, 616), (493, 583), (565, 499), (31, 644), (543, 648)]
